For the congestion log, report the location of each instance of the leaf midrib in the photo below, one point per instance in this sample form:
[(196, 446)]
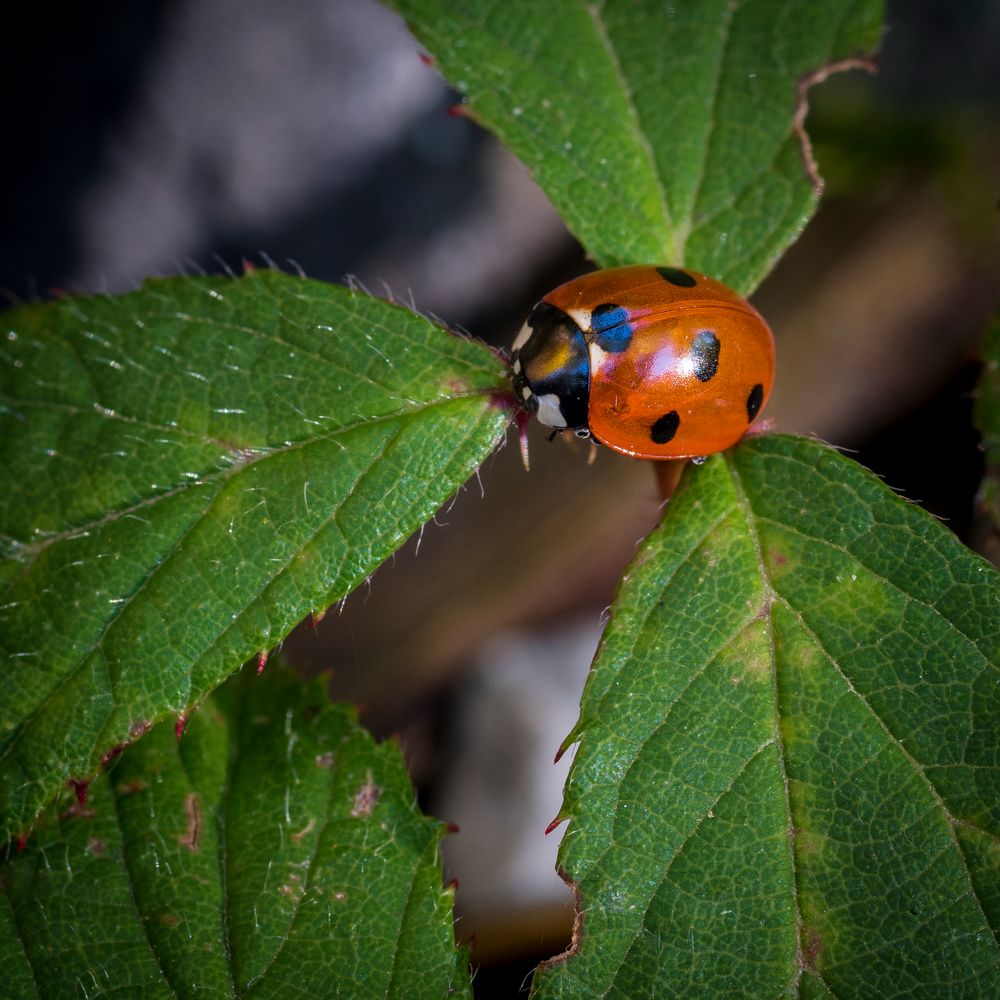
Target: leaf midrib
[(251, 455), (743, 503), (743, 499)]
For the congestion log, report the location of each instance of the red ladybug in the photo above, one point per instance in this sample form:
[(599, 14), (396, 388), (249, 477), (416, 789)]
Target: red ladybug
[(654, 362)]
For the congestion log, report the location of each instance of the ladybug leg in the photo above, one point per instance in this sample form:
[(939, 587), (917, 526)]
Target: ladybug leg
[(521, 419), (668, 475)]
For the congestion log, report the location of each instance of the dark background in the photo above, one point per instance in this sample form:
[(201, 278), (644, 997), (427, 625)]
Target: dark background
[(170, 137)]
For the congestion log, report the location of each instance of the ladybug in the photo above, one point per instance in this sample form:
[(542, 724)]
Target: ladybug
[(654, 362)]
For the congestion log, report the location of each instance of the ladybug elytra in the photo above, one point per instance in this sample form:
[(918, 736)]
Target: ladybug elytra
[(654, 362)]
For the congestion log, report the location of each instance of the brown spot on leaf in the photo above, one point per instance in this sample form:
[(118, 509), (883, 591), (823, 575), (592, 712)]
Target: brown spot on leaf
[(109, 755), (325, 759), (78, 810), (191, 838), (809, 951), (306, 830), (170, 920), (97, 847), (366, 798), (132, 787)]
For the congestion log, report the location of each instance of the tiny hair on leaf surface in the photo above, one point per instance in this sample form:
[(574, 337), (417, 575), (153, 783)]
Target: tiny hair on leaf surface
[(235, 862), (668, 134), (788, 773), (192, 469)]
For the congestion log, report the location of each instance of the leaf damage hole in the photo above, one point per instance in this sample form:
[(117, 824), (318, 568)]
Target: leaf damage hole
[(191, 838), (576, 934), (366, 798), (802, 107)]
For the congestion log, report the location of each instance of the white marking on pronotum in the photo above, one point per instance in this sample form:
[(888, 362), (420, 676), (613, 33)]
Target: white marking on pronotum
[(549, 411), (522, 338), (580, 316)]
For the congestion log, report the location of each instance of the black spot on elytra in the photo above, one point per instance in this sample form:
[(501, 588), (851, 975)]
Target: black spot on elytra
[(676, 277), (754, 400), (665, 428), (705, 354), (610, 327)]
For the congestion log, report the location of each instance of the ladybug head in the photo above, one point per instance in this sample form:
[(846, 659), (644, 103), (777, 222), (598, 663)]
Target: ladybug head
[(550, 368)]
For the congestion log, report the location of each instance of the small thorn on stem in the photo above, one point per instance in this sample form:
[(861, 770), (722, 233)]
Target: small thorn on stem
[(180, 725), (22, 843), (558, 756), (261, 661), (315, 617), (452, 828), (556, 822)]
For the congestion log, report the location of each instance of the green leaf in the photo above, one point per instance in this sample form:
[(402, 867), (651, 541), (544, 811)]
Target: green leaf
[(190, 470), (788, 777), (662, 133), (274, 851)]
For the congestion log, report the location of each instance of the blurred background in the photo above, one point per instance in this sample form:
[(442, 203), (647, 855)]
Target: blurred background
[(186, 136)]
